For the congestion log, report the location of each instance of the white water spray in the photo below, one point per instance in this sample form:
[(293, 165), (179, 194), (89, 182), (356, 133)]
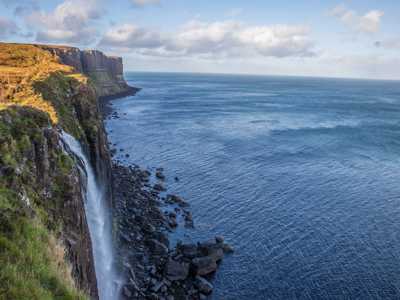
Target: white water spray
[(99, 221)]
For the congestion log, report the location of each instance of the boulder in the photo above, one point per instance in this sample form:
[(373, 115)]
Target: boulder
[(219, 239), (159, 187), (203, 285), (227, 248), (213, 249), (204, 265), (157, 248), (188, 250), (160, 175), (176, 270)]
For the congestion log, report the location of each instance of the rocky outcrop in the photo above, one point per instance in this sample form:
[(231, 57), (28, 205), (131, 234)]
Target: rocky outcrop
[(107, 72)]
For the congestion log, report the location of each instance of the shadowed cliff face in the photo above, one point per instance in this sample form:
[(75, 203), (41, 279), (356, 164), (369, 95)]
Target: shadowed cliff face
[(43, 90)]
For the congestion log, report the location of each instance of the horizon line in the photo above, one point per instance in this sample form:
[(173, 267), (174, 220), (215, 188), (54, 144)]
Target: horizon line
[(267, 75)]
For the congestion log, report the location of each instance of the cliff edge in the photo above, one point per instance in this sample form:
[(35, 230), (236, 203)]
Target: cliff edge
[(45, 244)]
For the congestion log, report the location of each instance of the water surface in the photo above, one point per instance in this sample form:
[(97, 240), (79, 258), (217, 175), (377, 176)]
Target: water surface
[(301, 175)]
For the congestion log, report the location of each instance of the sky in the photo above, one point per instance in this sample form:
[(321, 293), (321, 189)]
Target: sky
[(348, 38)]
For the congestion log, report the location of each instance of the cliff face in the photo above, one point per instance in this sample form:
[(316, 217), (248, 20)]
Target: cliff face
[(43, 90), (106, 71)]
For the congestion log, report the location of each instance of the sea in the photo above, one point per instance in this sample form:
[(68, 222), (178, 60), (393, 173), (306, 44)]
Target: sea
[(300, 175)]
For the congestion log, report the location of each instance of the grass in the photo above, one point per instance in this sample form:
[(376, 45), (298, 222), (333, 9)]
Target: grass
[(21, 66), (32, 262)]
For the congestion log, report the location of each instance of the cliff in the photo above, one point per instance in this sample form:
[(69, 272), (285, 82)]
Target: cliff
[(105, 71), (45, 245)]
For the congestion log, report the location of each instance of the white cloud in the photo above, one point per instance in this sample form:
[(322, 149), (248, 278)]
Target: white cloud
[(215, 39), (142, 3), (367, 23), (7, 27), (70, 22)]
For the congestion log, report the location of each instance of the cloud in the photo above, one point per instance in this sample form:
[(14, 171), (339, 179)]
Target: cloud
[(7, 27), (141, 3), (70, 22), (367, 23), (216, 39)]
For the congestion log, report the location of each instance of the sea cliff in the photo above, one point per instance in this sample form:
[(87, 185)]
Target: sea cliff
[(47, 248), (45, 244)]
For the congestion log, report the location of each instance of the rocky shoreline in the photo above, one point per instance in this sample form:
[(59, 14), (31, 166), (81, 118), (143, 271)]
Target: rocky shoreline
[(151, 268)]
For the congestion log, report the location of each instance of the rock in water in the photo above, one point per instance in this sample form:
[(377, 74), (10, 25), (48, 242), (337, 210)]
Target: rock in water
[(204, 265), (203, 285), (177, 270)]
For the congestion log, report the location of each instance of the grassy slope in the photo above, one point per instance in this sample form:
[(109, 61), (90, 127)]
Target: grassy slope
[(33, 89)]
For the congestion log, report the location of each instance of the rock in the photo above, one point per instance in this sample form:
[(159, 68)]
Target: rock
[(216, 254), (227, 248), (204, 265), (160, 175), (203, 297), (188, 250), (219, 238), (157, 248), (173, 199), (159, 187), (172, 223), (175, 270), (213, 249), (126, 292), (203, 285), (157, 286)]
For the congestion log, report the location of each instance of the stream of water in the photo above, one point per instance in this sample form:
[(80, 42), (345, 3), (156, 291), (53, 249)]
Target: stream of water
[(99, 221)]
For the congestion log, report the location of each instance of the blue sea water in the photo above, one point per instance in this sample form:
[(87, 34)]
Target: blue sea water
[(301, 176)]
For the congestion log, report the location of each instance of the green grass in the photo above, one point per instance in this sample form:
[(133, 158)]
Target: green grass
[(29, 267), (32, 263)]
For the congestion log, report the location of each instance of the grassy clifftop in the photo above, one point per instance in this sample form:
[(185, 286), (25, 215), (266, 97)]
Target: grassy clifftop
[(21, 68), (45, 247)]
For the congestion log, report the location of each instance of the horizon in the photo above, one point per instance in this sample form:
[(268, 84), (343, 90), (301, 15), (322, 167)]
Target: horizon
[(262, 75), (335, 39)]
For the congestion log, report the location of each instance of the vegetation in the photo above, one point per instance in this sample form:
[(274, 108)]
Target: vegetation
[(32, 260), (38, 94), (21, 66), (32, 263)]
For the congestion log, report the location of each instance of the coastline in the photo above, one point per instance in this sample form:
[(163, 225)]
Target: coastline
[(151, 269)]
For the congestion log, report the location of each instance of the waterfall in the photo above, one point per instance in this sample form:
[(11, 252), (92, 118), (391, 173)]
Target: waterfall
[(99, 221)]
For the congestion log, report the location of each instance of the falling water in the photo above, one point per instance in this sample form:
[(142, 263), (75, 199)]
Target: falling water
[(99, 221)]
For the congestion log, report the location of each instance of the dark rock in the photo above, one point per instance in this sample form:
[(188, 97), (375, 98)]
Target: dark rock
[(159, 187), (227, 248), (219, 239), (204, 265), (172, 223), (173, 199), (160, 175), (157, 248), (175, 270), (203, 285), (126, 292), (188, 250)]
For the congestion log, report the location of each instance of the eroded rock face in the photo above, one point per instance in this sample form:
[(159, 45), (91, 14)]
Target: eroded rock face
[(107, 72)]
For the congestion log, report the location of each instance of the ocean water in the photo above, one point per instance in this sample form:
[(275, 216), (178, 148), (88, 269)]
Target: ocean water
[(301, 176)]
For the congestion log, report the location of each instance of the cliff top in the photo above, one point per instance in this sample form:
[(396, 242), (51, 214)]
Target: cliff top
[(21, 67)]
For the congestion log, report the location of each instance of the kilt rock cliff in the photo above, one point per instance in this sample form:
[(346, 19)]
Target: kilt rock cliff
[(74, 223), (49, 99)]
